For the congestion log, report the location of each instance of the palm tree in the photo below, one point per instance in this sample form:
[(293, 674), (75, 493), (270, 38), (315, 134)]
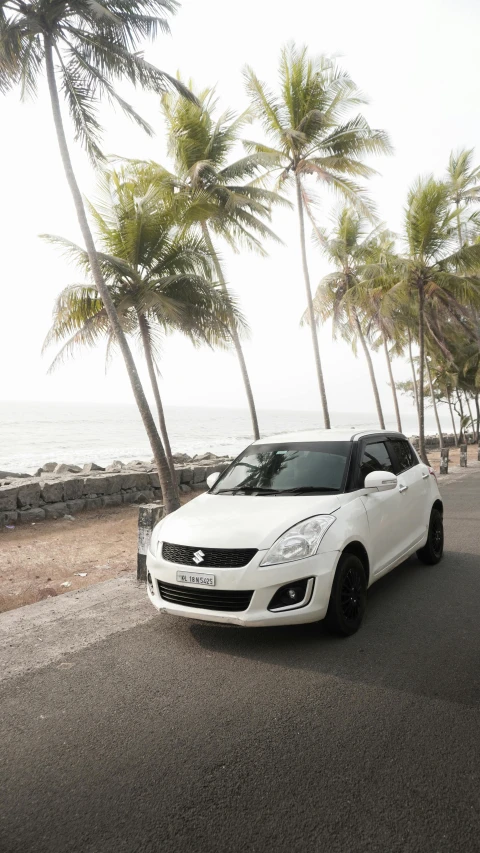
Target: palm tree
[(159, 279), (224, 197), (384, 325), (435, 272), (463, 181), (339, 296), (310, 135), (83, 46)]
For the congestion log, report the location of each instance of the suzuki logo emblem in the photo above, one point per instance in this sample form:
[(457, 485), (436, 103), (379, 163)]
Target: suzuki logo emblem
[(198, 557)]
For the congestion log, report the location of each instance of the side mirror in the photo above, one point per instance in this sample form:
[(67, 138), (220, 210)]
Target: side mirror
[(212, 479), (380, 481)]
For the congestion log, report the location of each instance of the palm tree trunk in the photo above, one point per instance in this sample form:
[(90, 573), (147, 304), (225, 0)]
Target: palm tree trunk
[(459, 399), (421, 372), (471, 416), (452, 417), (311, 313), (459, 227), (435, 408), (412, 365), (477, 406), (169, 496), (370, 370), (392, 383), (147, 349), (234, 334)]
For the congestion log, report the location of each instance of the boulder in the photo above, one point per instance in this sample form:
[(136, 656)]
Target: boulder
[(185, 488), (93, 503), (53, 491), (91, 466), (199, 474), (119, 463), (49, 467), (114, 468), (137, 480), (13, 476), (8, 498), (57, 510), (29, 516), (9, 517), (186, 475), (130, 496), (136, 463), (29, 495), (112, 500), (75, 506), (67, 469), (97, 485), (154, 480), (73, 488), (145, 496), (180, 457)]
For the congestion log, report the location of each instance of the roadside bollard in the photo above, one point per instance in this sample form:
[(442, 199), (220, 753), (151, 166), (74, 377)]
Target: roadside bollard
[(444, 460), (148, 516), (478, 455), (463, 456)]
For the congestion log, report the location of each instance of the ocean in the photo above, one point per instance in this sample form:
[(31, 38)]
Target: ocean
[(32, 434)]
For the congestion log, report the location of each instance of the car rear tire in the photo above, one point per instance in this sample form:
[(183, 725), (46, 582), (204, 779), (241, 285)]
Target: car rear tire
[(432, 551), (348, 598)]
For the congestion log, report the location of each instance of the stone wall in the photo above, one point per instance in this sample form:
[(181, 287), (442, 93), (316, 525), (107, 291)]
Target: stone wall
[(432, 442), (54, 494)]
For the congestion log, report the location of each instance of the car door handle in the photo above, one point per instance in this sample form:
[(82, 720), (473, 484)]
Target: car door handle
[(425, 475), (402, 487)]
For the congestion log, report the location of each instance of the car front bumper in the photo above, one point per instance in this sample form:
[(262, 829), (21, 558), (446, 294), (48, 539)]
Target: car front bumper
[(263, 581)]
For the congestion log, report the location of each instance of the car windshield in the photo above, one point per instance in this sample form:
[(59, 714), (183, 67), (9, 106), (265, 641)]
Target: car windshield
[(293, 468)]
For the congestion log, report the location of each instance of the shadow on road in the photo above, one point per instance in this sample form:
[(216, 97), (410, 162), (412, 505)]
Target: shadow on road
[(421, 622)]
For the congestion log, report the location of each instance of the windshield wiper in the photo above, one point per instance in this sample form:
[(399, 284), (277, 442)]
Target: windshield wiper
[(248, 490), (306, 490)]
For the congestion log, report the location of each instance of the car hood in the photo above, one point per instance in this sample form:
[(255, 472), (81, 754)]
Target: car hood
[(241, 521)]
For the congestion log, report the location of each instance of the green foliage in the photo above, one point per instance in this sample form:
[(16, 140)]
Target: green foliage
[(94, 44), (153, 269), (215, 189), (306, 122)]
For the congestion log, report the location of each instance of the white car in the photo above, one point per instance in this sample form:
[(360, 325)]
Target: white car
[(296, 530)]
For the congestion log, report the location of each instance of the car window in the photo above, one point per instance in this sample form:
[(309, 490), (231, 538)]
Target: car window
[(287, 467), (403, 455), (375, 458)]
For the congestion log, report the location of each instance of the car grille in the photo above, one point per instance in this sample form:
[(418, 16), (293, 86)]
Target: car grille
[(208, 599), (213, 558)]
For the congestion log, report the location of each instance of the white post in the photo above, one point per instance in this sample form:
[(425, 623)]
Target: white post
[(148, 516)]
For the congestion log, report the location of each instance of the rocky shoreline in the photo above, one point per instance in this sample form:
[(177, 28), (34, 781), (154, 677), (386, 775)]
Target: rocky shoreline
[(59, 489)]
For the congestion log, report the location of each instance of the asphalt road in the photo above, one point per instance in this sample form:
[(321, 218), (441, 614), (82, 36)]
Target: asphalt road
[(178, 736)]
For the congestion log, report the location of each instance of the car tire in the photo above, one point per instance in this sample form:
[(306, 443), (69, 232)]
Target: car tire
[(348, 598), (432, 551)]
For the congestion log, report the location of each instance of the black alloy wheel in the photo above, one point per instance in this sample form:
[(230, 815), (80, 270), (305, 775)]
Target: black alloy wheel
[(432, 552), (348, 598)]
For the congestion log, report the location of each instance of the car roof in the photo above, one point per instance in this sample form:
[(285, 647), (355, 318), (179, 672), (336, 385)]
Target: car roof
[(319, 435)]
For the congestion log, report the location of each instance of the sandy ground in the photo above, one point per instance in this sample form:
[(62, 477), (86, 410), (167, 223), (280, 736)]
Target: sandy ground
[(46, 559), (454, 457)]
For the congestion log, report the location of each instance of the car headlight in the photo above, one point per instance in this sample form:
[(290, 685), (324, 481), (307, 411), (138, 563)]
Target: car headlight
[(302, 540)]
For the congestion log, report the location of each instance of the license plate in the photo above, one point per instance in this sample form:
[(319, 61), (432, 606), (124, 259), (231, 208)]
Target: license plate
[(196, 578)]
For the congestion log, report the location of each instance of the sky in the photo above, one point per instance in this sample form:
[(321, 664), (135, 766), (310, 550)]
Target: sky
[(418, 63)]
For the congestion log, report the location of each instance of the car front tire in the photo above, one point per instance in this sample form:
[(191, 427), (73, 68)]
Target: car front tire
[(432, 551), (348, 598)]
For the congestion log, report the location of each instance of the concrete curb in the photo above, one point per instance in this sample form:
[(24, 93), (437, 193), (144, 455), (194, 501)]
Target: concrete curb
[(40, 634)]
